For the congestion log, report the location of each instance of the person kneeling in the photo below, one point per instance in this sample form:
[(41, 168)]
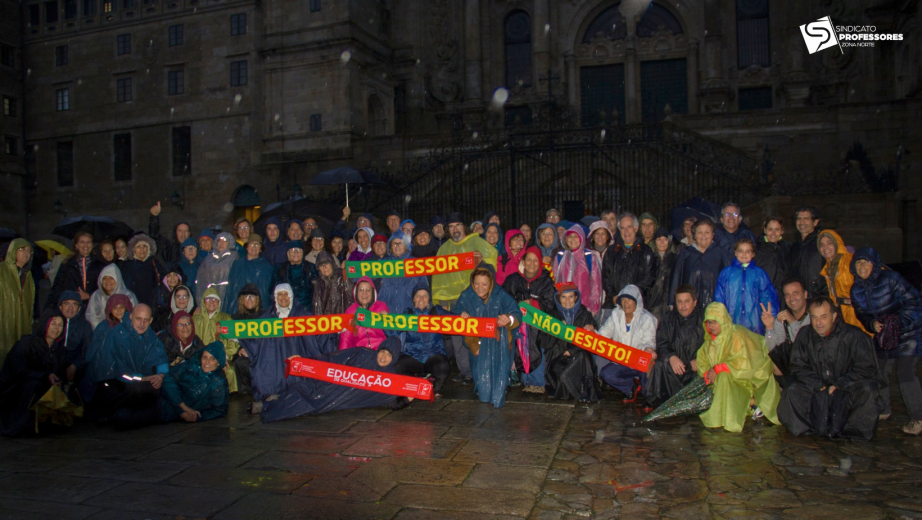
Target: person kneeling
[(835, 379), (197, 390), (424, 353), (571, 372)]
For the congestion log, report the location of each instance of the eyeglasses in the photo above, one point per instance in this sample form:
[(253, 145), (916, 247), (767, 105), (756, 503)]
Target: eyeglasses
[(184, 325), (182, 296), (310, 225), (250, 297), (734, 215), (243, 227), (215, 300)]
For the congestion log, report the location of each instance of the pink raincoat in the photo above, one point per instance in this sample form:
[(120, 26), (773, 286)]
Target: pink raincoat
[(582, 267), (511, 265), (361, 336)]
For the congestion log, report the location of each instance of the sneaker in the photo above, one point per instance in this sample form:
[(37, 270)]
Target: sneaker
[(883, 416), (458, 378), (467, 381), (913, 428), (756, 413), (256, 407)]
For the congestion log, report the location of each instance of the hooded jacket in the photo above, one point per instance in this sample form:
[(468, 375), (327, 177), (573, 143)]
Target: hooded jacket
[(430, 249), (17, 298), (300, 277), (749, 372), (806, 262), (164, 315), (436, 220), (215, 269), (744, 290), (240, 312), (625, 266), (204, 392), (700, 270), (680, 336), (582, 267), (77, 335), (595, 226), (422, 345), (839, 279), (206, 329), (177, 350), (397, 293), (245, 271), (886, 293), (539, 290), (332, 295), (361, 336), (143, 277), (642, 333), (190, 269), (647, 216), (841, 358), (359, 255), (275, 252), (500, 248), (24, 375), (549, 252), (508, 264), (658, 296), (572, 376), (125, 352), (100, 333), (448, 287)]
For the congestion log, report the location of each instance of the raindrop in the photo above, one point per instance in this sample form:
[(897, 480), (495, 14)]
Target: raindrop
[(500, 96), (228, 110), (475, 135), (599, 436), (172, 109), (230, 140), (417, 61), (628, 141), (547, 28), (228, 207), (383, 75), (147, 71), (80, 82), (466, 166), (237, 99), (388, 163), (151, 43), (28, 72), (603, 133), (276, 118), (345, 56), (845, 464)]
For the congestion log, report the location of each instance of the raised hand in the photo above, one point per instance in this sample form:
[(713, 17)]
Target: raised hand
[(155, 209), (767, 319)]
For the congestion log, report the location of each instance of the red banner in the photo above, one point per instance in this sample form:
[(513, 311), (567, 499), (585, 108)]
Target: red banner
[(381, 382)]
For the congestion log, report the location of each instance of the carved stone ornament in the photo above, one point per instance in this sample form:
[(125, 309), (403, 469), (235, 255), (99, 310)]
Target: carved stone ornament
[(444, 81)]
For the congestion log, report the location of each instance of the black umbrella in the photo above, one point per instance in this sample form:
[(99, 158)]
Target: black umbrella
[(8, 234), (346, 175), (301, 208), (100, 227), (695, 207)]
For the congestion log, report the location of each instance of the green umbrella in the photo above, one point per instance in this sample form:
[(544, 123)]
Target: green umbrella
[(695, 398)]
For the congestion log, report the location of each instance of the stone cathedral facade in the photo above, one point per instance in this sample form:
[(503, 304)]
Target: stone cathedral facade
[(216, 106)]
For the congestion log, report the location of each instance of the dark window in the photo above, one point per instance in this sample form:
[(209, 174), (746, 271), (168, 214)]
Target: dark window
[(128, 4), (517, 39), (60, 55), (121, 156), (123, 44), (238, 24), (316, 124), (757, 98), (123, 90), (655, 19), (70, 9), (175, 82), (149, 2), (752, 38), (9, 106), (609, 24), (51, 12), (175, 35), (315, 6), (7, 55), (516, 116), (66, 163), (89, 7), (601, 91), (238, 73), (400, 107), (62, 99), (35, 15), (11, 146), (182, 151), (663, 82)]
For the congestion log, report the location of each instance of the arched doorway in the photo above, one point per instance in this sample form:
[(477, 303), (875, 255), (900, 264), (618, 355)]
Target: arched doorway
[(246, 203)]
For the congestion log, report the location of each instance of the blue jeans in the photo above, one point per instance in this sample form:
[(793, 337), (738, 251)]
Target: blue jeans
[(622, 377)]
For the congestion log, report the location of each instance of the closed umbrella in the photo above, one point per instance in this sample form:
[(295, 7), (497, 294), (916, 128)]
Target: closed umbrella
[(346, 175), (695, 398), (100, 227)]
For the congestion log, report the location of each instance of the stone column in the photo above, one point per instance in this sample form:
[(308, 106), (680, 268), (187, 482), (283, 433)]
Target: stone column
[(693, 77), (473, 71), (540, 43)]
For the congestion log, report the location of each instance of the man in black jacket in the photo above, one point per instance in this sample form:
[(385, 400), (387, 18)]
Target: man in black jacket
[(678, 338), (169, 248), (834, 369), (806, 260), (627, 262), (79, 273), (77, 336)]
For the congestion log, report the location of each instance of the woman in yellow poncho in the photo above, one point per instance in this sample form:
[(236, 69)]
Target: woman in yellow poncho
[(17, 295), (735, 362), (838, 275)]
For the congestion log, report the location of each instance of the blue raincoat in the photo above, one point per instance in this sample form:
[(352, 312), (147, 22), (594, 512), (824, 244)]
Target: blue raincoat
[(397, 293), (742, 290), (125, 352), (244, 271), (268, 355), (305, 396), (493, 363), (187, 383), (190, 269), (423, 345)]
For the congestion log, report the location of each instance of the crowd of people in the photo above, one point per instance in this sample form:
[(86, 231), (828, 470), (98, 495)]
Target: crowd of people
[(803, 333)]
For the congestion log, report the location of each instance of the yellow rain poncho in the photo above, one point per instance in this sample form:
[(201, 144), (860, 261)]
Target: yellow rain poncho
[(749, 373), (839, 279), (55, 407), (448, 287), (205, 329), (17, 297)]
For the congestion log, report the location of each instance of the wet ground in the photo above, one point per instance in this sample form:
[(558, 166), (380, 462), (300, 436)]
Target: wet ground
[(460, 459)]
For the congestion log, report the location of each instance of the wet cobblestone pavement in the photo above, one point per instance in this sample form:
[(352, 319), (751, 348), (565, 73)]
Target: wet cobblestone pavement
[(460, 459)]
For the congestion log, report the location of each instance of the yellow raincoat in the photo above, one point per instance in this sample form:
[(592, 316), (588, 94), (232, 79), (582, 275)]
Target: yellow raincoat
[(839, 279), (749, 376), (205, 329), (448, 287), (16, 300)]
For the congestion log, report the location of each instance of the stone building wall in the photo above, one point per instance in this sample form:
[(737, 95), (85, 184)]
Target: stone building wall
[(13, 203)]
